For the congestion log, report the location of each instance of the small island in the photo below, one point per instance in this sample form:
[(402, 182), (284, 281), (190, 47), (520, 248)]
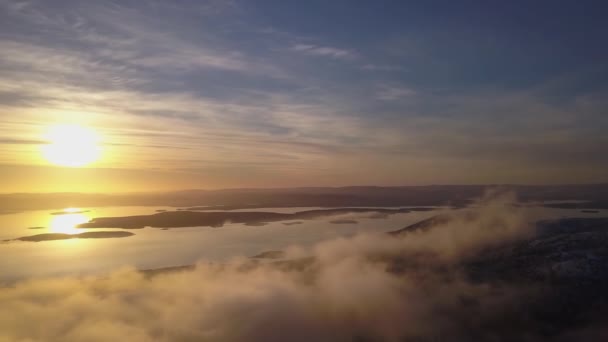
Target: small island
[(270, 255), (292, 223), (343, 222), (590, 211), (62, 236), (56, 213)]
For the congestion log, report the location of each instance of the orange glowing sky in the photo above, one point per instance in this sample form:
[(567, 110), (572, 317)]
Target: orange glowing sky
[(177, 96)]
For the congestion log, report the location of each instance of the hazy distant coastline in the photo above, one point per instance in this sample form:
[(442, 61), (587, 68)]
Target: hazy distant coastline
[(596, 196)]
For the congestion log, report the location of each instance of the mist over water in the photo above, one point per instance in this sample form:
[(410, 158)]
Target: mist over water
[(370, 286), (154, 248)]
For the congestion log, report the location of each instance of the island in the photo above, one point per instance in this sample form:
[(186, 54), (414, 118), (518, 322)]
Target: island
[(343, 222), (62, 236), (56, 213), (177, 219)]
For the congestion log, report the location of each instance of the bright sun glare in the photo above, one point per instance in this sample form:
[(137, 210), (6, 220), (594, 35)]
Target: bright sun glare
[(71, 145), (67, 223)]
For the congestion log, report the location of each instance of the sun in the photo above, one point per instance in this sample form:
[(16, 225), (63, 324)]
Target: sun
[(71, 145)]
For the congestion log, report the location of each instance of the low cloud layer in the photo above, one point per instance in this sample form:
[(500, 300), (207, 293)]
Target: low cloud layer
[(370, 287)]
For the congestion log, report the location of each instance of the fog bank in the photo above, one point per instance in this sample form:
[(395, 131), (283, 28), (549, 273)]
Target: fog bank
[(369, 287)]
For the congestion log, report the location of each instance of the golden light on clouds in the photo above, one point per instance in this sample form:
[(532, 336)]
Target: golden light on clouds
[(71, 145)]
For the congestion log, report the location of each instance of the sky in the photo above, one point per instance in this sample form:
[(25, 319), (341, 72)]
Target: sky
[(225, 94)]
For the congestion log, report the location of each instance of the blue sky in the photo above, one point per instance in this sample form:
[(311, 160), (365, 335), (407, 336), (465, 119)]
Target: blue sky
[(295, 93)]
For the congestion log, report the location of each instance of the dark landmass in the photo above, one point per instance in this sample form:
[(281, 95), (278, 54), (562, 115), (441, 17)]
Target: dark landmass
[(242, 207), (423, 225), (592, 204), (36, 227), (343, 222), (161, 210), (270, 255), (224, 207), (342, 211), (292, 223), (354, 196), (572, 226), (590, 211), (164, 270), (563, 272), (69, 213), (566, 263), (176, 219), (61, 236)]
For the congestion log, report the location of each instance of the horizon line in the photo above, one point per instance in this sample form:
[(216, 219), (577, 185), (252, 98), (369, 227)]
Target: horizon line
[(301, 188)]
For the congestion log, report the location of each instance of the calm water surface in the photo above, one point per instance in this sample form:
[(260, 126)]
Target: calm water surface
[(155, 248)]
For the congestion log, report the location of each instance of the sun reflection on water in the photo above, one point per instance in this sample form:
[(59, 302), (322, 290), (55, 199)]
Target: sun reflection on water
[(67, 223)]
